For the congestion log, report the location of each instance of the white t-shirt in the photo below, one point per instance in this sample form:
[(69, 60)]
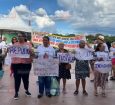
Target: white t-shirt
[(48, 50), (112, 50), (106, 47), (84, 53), (103, 55)]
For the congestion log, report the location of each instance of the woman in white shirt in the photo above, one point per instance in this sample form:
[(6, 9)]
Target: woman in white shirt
[(100, 78), (83, 55)]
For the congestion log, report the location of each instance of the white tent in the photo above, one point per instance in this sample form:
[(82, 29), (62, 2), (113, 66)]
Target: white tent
[(14, 22)]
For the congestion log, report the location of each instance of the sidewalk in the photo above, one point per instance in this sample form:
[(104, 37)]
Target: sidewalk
[(7, 93)]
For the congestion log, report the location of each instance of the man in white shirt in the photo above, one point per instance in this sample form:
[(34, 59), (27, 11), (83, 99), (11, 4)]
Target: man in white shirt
[(45, 51)]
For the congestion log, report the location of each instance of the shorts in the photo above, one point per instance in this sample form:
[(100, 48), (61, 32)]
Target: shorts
[(113, 61)]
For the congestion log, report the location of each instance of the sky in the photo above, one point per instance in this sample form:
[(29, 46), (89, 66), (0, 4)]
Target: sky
[(65, 16)]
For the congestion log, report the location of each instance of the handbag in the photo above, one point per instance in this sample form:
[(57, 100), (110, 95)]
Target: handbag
[(54, 86)]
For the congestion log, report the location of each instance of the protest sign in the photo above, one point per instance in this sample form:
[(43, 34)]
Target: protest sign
[(19, 51), (46, 67), (65, 57), (103, 66), (71, 42), (88, 55)]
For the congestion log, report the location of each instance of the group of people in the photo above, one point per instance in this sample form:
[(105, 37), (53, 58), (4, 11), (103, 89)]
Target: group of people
[(21, 66)]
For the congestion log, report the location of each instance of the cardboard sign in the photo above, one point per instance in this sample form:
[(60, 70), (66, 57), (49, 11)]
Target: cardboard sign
[(19, 51), (65, 57), (46, 67), (103, 66)]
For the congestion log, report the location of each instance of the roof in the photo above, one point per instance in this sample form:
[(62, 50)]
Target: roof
[(14, 22)]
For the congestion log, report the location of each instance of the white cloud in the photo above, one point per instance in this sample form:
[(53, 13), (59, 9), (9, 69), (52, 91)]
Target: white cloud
[(61, 15), (39, 18), (90, 13), (44, 22), (22, 9), (41, 12)]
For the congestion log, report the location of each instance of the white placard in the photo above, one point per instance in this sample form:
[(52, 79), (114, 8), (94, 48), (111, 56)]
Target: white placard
[(19, 51), (103, 66), (46, 67), (65, 57), (84, 55)]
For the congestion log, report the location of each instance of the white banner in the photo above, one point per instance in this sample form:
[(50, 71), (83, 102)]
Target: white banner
[(103, 66), (65, 57), (19, 51), (46, 67)]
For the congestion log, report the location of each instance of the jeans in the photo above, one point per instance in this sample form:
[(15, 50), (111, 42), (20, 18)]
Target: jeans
[(44, 83)]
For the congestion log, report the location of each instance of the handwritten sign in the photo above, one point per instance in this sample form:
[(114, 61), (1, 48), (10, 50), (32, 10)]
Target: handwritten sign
[(46, 67), (103, 66), (19, 51), (65, 57), (88, 55)]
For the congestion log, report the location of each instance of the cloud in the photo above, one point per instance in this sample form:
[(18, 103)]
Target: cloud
[(39, 18), (61, 15), (43, 22), (22, 9), (87, 14), (41, 12)]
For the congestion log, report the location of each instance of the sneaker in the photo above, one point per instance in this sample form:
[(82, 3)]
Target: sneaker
[(28, 93), (16, 96), (49, 95), (112, 78), (103, 95), (85, 93), (76, 92), (39, 96)]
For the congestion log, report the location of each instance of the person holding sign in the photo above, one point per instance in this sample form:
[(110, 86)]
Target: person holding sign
[(21, 65), (112, 53), (45, 51), (64, 68), (8, 58), (100, 76), (83, 55)]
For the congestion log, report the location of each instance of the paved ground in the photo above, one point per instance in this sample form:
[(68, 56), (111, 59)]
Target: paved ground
[(7, 93)]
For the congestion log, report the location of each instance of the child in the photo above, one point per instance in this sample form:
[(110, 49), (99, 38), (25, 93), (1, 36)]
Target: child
[(100, 78)]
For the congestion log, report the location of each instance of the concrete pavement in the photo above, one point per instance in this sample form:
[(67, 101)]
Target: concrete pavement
[(7, 93)]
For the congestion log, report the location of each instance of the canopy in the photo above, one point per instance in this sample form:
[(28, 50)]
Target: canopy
[(14, 22)]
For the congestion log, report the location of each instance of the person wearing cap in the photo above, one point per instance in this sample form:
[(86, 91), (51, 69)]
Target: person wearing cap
[(100, 39)]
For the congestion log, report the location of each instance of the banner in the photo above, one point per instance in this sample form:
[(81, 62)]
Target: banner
[(46, 67), (103, 66), (65, 57), (70, 42), (19, 51)]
